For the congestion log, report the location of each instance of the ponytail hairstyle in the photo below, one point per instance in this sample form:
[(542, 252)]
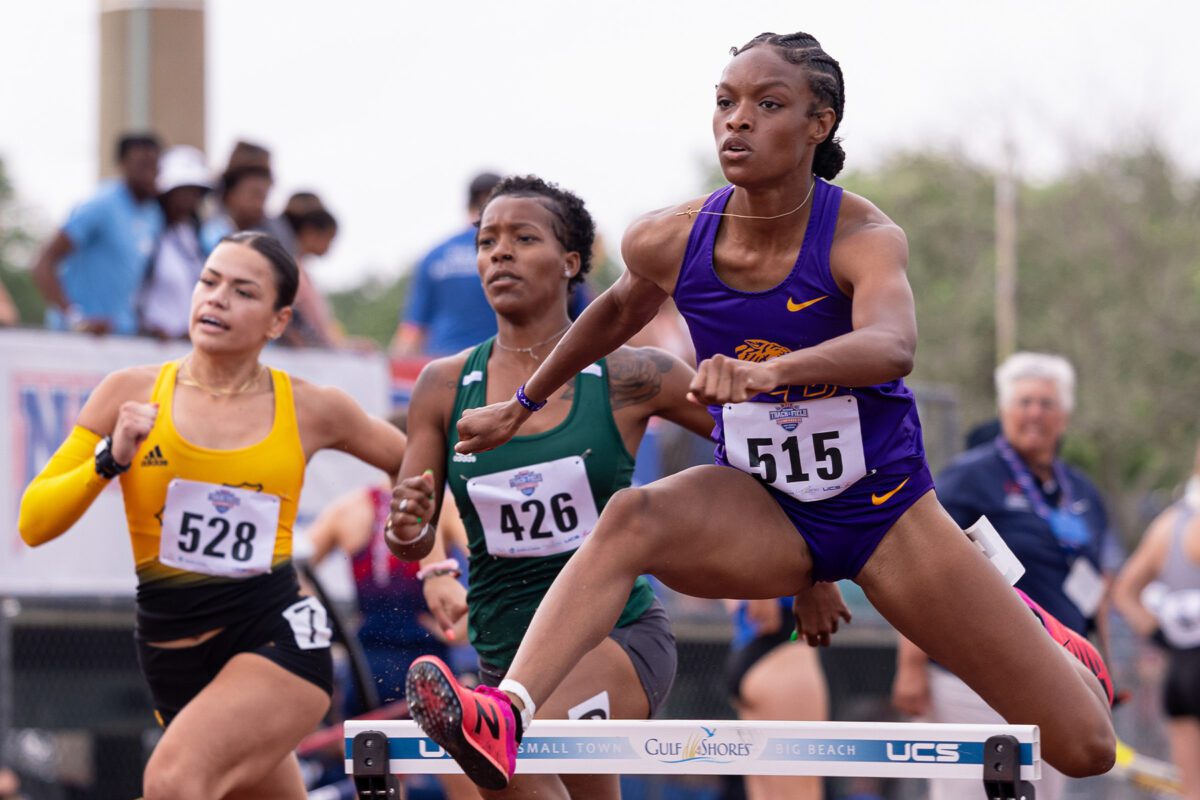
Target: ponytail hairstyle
[(824, 80)]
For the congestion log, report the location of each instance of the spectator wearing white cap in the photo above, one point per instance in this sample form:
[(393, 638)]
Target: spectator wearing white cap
[(164, 302)]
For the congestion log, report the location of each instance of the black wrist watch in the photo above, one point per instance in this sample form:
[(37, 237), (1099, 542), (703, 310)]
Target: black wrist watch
[(106, 465)]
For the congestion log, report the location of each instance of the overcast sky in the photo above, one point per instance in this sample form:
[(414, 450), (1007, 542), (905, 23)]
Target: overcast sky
[(387, 108)]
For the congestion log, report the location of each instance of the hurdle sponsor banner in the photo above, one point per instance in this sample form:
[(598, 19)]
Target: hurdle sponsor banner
[(46, 377), (726, 747)]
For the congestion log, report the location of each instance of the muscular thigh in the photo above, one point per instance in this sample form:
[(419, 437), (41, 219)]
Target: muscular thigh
[(210, 739), (716, 532), (939, 590), (605, 669)]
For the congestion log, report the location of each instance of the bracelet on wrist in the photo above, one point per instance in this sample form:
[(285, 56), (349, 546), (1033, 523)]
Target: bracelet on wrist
[(437, 573), (447, 566), (524, 400)]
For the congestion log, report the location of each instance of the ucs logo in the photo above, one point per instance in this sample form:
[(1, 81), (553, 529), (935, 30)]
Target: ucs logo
[(945, 752)]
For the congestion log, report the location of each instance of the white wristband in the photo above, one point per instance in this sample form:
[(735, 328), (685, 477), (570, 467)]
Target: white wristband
[(528, 707)]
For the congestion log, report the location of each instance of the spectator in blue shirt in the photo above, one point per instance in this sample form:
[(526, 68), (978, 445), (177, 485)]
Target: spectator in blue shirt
[(91, 270), (1049, 514), (447, 310)]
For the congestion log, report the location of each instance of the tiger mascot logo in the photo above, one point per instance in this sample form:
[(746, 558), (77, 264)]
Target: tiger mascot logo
[(760, 350)]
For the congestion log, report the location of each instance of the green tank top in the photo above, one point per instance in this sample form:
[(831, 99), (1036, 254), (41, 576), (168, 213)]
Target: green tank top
[(528, 504)]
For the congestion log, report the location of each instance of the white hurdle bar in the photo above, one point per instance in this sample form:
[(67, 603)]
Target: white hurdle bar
[(720, 747)]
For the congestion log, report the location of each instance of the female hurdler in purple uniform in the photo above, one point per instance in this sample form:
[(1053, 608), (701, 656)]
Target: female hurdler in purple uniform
[(796, 297)]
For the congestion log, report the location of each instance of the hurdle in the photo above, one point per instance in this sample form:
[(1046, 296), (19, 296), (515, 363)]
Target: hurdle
[(1003, 757)]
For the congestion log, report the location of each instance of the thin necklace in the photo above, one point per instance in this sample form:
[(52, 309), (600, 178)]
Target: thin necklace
[(529, 350), (689, 212), (190, 380)]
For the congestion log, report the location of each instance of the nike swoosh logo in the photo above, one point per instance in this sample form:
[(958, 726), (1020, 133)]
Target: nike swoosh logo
[(794, 306), (880, 499)]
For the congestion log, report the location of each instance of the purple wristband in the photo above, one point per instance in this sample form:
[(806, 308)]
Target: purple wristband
[(525, 401)]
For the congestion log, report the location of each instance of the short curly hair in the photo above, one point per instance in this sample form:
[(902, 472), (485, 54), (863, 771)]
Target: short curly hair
[(573, 225)]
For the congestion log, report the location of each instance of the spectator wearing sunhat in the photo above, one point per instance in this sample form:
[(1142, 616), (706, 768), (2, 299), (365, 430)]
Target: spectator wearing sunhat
[(164, 302)]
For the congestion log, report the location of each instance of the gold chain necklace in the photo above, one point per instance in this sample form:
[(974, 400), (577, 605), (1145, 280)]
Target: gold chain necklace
[(190, 380), (529, 350), (689, 212)]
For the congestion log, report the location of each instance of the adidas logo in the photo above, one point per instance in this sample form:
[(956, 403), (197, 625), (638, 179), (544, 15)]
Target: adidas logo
[(468, 458), (154, 458)]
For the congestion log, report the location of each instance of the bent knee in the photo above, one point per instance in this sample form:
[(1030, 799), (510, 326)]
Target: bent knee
[(1090, 754), (625, 515), (167, 781)]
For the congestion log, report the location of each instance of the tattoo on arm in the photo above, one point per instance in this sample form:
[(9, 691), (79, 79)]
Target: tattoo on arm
[(635, 376)]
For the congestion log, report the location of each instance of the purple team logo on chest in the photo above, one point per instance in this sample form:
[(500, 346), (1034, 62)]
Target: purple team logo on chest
[(788, 416), (223, 500), (526, 481)]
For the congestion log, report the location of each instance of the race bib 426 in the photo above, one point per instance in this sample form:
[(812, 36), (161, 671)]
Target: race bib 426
[(539, 510)]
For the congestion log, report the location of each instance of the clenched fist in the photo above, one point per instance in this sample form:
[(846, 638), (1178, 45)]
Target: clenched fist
[(722, 379), (134, 422)]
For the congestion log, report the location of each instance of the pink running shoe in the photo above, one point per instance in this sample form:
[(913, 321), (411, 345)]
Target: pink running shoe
[(476, 728), (1075, 644)]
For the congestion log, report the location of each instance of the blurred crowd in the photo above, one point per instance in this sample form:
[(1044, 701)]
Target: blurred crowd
[(126, 259)]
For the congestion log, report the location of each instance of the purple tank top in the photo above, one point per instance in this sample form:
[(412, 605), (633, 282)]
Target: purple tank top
[(807, 308)]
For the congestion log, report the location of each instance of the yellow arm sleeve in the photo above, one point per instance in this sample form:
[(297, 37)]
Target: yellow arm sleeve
[(64, 489)]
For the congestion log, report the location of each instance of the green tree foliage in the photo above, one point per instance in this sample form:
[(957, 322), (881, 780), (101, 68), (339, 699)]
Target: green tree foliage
[(16, 247), (1109, 276), (373, 309)]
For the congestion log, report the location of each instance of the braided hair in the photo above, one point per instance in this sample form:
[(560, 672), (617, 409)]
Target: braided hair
[(573, 225), (824, 80)]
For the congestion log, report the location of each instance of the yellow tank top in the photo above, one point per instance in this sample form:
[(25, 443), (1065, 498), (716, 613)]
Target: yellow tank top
[(273, 466)]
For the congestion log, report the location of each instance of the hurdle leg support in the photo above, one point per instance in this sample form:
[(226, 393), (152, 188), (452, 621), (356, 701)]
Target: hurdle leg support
[(1002, 770), (372, 780)]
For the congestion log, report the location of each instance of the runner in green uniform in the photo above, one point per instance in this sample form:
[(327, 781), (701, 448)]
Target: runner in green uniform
[(529, 504)]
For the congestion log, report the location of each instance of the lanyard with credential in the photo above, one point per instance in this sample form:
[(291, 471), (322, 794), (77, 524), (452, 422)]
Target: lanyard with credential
[(1069, 528)]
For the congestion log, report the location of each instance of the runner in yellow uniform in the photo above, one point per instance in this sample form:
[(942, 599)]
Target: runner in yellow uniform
[(211, 450)]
